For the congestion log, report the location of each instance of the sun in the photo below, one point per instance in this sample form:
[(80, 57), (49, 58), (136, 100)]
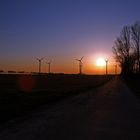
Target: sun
[(100, 62)]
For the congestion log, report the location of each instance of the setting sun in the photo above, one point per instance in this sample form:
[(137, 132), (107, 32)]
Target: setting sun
[(100, 62)]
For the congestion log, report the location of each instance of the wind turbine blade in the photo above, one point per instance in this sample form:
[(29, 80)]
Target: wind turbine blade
[(77, 59), (82, 58), (48, 62), (37, 58), (42, 58)]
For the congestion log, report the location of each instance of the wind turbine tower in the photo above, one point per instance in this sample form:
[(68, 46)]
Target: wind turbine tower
[(80, 64), (106, 61), (49, 67), (39, 60)]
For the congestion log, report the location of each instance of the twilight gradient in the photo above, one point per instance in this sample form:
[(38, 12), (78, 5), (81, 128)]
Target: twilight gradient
[(61, 31)]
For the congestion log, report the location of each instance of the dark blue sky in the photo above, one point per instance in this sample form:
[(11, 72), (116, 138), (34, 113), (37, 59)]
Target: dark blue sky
[(61, 29)]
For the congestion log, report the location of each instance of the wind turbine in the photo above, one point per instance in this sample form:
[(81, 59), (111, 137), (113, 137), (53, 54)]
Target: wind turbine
[(106, 61), (39, 60), (80, 64), (49, 66)]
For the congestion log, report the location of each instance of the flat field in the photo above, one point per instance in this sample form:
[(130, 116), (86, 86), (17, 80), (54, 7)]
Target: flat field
[(21, 94)]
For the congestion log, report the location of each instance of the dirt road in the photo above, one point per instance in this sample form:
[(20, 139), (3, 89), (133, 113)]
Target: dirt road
[(110, 112)]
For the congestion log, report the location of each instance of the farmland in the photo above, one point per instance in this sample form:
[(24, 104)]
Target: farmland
[(20, 93)]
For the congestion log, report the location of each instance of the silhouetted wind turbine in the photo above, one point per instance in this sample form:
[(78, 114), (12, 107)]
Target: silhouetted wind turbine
[(106, 61), (39, 60), (49, 66), (80, 64)]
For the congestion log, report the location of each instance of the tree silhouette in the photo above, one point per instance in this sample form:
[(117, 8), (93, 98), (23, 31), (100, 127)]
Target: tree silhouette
[(127, 49), (121, 49), (135, 32)]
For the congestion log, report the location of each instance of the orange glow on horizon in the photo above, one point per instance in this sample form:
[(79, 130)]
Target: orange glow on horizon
[(92, 64)]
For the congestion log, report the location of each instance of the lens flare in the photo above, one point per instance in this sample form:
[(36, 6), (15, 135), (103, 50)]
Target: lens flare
[(26, 83)]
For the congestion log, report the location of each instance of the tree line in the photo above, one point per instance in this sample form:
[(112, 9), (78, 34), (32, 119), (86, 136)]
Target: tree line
[(126, 49)]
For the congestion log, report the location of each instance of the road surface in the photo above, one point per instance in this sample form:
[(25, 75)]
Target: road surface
[(110, 112)]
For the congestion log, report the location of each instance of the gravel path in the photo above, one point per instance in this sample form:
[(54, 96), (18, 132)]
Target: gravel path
[(110, 112)]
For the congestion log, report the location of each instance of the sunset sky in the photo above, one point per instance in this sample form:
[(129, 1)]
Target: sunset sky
[(62, 31)]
